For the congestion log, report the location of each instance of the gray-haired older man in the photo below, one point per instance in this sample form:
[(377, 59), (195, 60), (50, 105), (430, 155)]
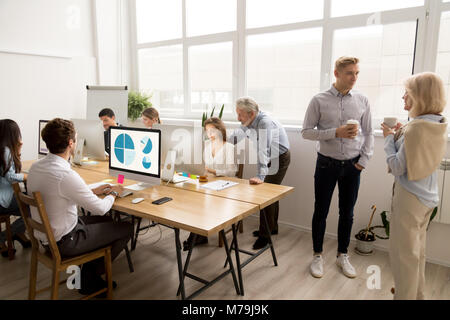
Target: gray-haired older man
[(273, 157)]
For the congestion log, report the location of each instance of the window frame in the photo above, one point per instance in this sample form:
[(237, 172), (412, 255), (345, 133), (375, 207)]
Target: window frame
[(428, 17)]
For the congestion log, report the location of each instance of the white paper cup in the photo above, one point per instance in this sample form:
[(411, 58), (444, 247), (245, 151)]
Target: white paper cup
[(353, 123), (391, 122)]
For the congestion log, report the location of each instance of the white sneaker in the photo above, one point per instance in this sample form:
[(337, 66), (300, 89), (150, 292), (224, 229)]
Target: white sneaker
[(316, 267), (343, 262)]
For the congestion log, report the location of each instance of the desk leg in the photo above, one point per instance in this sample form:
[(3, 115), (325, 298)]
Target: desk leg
[(180, 262), (227, 250), (238, 260), (188, 259), (270, 240)]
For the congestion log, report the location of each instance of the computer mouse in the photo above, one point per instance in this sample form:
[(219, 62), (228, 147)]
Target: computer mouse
[(137, 200)]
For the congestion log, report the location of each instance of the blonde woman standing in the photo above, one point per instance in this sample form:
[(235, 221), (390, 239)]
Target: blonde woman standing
[(414, 153)]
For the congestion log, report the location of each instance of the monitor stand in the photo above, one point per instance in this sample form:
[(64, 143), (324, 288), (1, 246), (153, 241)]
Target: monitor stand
[(142, 181)]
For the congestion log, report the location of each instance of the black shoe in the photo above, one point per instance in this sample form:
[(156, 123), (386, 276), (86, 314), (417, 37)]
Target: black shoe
[(256, 233), (260, 243), (25, 243), (200, 240), (95, 286), (5, 252)]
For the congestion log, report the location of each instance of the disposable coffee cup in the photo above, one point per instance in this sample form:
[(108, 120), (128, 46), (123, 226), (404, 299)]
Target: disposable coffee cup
[(391, 122), (353, 123)]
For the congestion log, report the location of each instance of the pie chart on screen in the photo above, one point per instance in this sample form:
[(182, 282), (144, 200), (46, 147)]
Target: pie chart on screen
[(146, 145), (124, 149), (146, 162)]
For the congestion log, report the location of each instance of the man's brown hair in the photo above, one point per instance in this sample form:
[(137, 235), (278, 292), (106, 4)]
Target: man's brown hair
[(57, 134), (342, 62)]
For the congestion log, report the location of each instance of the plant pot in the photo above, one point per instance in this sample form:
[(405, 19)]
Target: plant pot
[(364, 246)]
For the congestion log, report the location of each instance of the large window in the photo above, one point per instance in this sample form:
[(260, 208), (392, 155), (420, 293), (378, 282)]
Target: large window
[(283, 70), (443, 56), (193, 55), (158, 20), (161, 75), (341, 8), (210, 68), (261, 13), (386, 55)]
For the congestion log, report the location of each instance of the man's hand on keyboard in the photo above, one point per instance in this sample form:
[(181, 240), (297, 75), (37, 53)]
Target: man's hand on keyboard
[(116, 188)]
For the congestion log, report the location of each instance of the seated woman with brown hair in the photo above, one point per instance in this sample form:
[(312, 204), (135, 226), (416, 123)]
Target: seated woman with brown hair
[(219, 161), (10, 166)]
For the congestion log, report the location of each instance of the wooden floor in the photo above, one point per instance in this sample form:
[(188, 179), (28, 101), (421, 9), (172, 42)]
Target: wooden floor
[(156, 275)]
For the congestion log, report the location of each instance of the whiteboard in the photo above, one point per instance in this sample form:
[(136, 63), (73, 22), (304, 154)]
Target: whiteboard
[(113, 97)]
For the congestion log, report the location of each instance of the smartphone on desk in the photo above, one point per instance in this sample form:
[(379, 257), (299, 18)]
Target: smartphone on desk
[(162, 200)]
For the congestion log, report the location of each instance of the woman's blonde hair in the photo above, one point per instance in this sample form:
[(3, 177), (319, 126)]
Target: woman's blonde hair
[(219, 125), (425, 94), (151, 113)]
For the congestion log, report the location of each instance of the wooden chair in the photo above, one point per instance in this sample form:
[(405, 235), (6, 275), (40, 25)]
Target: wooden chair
[(240, 224), (53, 259), (5, 218)]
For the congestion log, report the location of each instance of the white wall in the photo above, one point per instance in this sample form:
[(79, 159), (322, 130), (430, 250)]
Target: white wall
[(376, 188), (46, 60)]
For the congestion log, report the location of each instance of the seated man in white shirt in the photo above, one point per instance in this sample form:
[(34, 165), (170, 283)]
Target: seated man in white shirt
[(62, 190)]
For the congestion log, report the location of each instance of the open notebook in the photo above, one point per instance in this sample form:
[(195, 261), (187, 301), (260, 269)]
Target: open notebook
[(218, 185)]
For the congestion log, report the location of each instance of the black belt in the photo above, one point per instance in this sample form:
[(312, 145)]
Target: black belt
[(339, 162)]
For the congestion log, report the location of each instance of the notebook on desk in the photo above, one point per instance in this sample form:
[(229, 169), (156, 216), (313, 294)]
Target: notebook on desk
[(219, 185)]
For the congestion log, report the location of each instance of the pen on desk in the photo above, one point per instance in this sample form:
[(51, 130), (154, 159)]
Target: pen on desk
[(225, 184)]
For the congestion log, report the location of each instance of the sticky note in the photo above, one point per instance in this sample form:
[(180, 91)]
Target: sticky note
[(120, 179), (193, 176), (185, 174), (108, 180)]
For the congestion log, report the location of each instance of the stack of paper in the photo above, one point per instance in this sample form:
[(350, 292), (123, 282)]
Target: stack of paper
[(219, 185)]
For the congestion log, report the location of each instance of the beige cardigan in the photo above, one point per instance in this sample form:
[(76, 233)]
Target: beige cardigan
[(425, 144)]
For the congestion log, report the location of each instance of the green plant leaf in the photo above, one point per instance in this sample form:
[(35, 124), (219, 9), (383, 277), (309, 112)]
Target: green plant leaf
[(212, 112), (385, 222), (137, 102), (221, 111), (433, 214), (203, 119)]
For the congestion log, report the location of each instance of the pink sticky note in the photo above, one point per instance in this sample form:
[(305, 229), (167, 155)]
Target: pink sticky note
[(120, 179)]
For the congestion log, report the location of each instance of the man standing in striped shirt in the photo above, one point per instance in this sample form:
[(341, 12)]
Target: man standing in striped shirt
[(343, 152)]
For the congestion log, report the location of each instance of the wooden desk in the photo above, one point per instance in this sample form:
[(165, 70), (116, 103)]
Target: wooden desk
[(192, 206), (191, 211), (100, 166), (262, 195)]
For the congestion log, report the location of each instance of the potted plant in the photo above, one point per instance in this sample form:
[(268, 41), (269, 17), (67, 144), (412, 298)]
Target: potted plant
[(137, 102), (366, 237), (205, 114)]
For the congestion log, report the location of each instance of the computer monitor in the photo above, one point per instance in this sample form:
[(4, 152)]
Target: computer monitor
[(92, 133), (42, 147), (135, 154), (187, 140)]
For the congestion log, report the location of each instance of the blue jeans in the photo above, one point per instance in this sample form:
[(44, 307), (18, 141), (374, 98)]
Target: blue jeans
[(330, 171), (17, 226)]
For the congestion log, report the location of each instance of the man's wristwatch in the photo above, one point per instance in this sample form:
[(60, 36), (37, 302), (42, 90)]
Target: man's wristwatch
[(114, 193)]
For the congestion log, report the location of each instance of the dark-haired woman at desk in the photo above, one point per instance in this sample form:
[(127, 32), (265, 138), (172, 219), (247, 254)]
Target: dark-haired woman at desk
[(10, 166), (219, 161)]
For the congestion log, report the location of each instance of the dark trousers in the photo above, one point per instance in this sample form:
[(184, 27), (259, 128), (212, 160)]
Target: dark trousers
[(92, 233), (18, 226), (271, 211), (328, 172)]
